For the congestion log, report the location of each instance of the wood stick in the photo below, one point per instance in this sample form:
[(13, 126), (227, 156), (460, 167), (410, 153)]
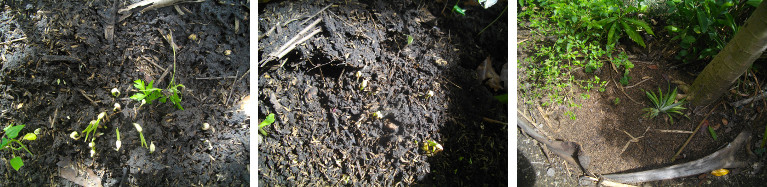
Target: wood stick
[(674, 131), (749, 100), (86, 97), (292, 46), (724, 158), (14, 40), (693, 134)]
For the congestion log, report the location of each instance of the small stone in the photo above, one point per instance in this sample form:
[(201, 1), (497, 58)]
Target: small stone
[(391, 127), (550, 172)]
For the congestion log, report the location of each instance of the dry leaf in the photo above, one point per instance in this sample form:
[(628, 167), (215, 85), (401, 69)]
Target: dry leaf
[(486, 72)]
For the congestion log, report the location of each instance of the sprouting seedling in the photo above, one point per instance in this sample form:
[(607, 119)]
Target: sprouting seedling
[(151, 148), (115, 92), (141, 134), (377, 115), (429, 94), (117, 107), (268, 121), (409, 39), (11, 132), (91, 129), (431, 147), (118, 142), (459, 10), (363, 84)]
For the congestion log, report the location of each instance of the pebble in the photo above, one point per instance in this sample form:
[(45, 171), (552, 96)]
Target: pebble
[(550, 172)]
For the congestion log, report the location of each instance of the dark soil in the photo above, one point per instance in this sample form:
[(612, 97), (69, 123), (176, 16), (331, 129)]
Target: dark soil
[(325, 133), (601, 126), (66, 56)]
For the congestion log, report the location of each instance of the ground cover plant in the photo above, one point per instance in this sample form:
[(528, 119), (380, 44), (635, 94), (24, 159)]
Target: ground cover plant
[(614, 127), (66, 62)]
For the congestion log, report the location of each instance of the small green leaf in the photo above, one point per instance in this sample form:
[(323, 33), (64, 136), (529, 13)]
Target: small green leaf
[(138, 96), (13, 132), (268, 121), (631, 31), (409, 39), (712, 132), (6, 141), (641, 24), (139, 84), (458, 9), (672, 28), (30, 136), (16, 163), (502, 98)]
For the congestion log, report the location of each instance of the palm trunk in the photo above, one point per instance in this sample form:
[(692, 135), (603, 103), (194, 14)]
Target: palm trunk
[(736, 57)]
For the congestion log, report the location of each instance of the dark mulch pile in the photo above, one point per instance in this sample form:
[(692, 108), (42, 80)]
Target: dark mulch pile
[(325, 133)]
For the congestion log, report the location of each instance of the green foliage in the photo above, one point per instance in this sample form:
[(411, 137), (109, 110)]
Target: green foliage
[(268, 121), (11, 134), (623, 61), (150, 93), (703, 26), (617, 101), (574, 35), (409, 39), (712, 132), (459, 10), (664, 104)]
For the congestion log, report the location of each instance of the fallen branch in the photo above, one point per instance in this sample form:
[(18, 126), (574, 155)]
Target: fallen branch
[(569, 151), (724, 158), (749, 100)]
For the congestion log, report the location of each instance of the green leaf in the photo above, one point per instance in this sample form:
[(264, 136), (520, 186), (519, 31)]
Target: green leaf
[(672, 28), (268, 121), (712, 132), (631, 31), (459, 10), (138, 96), (30, 136), (641, 24), (703, 20), (16, 163), (409, 39), (6, 141), (754, 3), (13, 131), (611, 35), (139, 84)]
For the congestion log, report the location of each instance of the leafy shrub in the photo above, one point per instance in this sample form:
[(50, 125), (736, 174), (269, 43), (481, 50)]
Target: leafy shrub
[(703, 26)]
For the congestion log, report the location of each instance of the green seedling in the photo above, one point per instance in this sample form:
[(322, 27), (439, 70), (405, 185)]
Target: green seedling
[(617, 101), (115, 92), (428, 94), (151, 147), (11, 133), (431, 147), (664, 104), (141, 134), (459, 10), (117, 107), (148, 93), (712, 132), (363, 84), (409, 39), (91, 129), (268, 121), (117, 143), (377, 115)]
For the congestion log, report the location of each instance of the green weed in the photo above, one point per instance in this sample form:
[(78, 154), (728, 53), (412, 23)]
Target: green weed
[(11, 134)]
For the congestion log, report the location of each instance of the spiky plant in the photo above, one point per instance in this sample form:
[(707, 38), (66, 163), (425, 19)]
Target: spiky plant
[(664, 104)]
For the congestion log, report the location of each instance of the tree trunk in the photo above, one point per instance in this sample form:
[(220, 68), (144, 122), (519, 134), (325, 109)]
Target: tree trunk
[(736, 57)]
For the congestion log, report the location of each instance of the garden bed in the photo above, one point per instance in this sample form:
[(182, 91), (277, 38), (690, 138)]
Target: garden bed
[(325, 133), (59, 77)]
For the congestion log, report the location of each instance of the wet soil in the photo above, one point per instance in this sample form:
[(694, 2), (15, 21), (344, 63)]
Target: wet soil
[(59, 78), (325, 133), (604, 128)]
